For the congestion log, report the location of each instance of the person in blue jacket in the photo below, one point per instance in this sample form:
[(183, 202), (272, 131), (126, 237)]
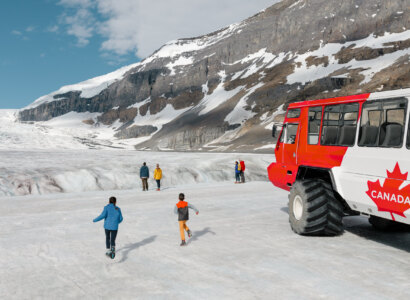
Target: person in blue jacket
[(112, 217), (237, 173), (144, 175)]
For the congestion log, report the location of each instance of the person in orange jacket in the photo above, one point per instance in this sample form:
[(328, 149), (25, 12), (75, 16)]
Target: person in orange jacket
[(158, 176), (181, 208)]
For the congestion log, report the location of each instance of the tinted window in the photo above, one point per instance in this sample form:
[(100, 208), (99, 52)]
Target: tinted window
[(293, 113), (382, 123), (339, 124), (282, 134), (315, 117), (291, 132)]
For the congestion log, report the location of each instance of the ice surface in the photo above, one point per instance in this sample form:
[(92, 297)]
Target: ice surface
[(242, 248), (43, 172)]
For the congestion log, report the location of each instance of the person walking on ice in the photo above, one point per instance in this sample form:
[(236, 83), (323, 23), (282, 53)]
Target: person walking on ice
[(144, 175), (158, 176), (181, 208), (112, 217)]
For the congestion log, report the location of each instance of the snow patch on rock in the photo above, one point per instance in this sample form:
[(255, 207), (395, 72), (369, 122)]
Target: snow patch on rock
[(181, 61), (239, 114), (303, 73), (219, 96)]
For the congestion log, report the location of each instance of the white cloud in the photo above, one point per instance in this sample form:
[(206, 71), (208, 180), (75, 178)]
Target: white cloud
[(141, 26), (76, 3), (30, 28), (16, 32), (81, 25), (54, 28), (121, 25)]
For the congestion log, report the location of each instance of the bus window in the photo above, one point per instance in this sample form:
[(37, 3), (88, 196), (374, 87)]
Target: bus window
[(293, 113), (291, 132), (339, 124), (382, 123), (315, 117), (348, 125)]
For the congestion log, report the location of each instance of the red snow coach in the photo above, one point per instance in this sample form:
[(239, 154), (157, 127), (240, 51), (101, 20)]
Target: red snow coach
[(345, 156)]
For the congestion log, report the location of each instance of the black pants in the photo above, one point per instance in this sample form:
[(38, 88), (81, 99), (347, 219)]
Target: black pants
[(158, 182), (110, 236)]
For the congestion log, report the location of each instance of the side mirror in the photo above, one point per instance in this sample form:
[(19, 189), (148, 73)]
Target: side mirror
[(274, 130)]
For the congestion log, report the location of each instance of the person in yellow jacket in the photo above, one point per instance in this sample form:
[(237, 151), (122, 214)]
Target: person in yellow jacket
[(158, 176)]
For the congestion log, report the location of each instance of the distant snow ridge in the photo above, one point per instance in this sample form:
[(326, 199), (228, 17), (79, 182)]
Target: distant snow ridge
[(181, 46), (88, 88)]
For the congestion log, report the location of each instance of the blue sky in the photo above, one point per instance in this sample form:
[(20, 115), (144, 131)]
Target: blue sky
[(51, 43), (35, 61)]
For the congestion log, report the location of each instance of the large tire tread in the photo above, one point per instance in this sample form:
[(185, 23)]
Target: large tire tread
[(316, 206), (322, 214), (318, 216)]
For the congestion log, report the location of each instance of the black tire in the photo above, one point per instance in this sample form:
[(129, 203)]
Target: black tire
[(321, 213)]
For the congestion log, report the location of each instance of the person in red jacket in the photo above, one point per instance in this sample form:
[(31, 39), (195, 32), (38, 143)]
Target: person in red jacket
[(181, 208), (242, 173)]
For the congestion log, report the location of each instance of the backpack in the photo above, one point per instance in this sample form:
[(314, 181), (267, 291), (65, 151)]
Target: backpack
[(242, 165)]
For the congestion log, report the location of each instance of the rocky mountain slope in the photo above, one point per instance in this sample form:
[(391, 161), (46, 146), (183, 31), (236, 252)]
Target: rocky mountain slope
[(222, 91)]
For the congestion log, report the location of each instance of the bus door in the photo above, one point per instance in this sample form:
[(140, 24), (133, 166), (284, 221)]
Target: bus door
[(289, 144), (286, 155)]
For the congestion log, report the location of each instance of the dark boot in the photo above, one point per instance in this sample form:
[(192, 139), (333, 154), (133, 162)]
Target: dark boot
[(189, 233), (183, 243)]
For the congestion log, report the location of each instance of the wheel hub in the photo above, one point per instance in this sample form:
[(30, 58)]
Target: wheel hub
[(297, 207)]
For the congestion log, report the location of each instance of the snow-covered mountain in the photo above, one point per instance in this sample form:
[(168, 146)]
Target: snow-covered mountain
[(222, 91)]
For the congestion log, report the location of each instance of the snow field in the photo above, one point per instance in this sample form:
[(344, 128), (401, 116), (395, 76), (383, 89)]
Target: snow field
[(242, 248), (64, 132)]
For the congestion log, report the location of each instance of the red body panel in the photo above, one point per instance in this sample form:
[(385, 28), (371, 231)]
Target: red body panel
[(289, 157)]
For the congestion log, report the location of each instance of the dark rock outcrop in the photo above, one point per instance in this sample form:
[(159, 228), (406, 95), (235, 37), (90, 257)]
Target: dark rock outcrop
[(135, 131)]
